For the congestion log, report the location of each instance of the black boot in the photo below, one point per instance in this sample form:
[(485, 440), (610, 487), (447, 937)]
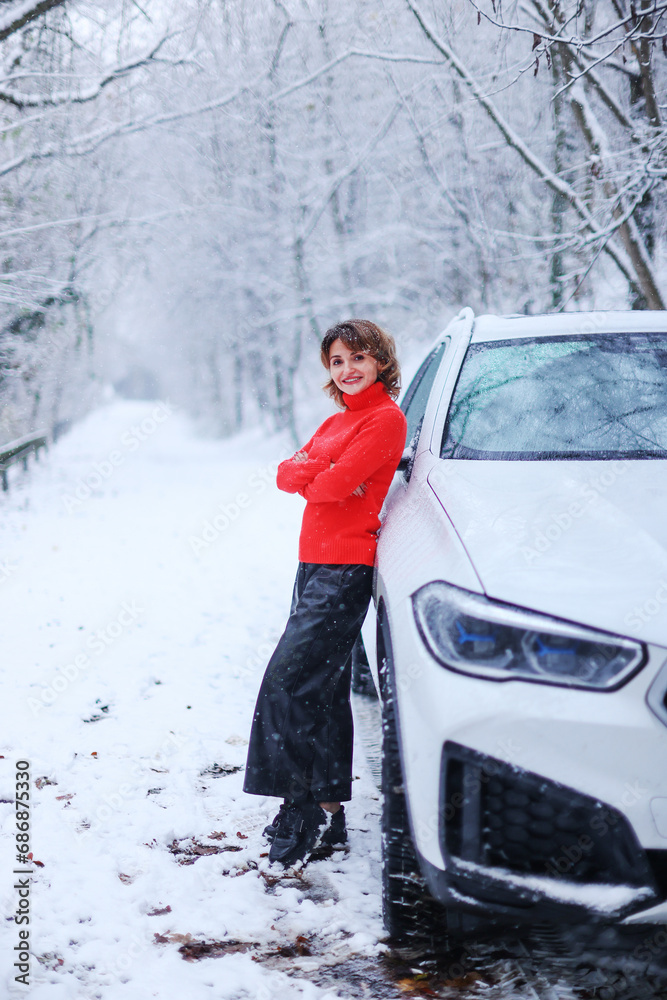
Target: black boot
[(269, 831), (336, 832), (299, 829), (334, 835)]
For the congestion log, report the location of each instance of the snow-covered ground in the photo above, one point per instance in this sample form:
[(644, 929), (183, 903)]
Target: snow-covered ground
[(145, 576)]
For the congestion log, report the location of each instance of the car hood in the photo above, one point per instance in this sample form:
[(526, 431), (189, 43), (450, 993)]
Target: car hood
[(585, 541)]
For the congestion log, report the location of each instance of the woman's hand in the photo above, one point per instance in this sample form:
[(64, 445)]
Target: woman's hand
[(301, 456)]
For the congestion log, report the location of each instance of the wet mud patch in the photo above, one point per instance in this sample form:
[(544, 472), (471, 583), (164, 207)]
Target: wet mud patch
[(193, 949), (318, 887), (312, 883), (547, 963)]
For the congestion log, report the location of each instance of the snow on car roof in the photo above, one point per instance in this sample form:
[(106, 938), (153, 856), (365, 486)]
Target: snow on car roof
[(487, 328)]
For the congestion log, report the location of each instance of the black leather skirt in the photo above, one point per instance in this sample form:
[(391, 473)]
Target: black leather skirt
[(301, 737)]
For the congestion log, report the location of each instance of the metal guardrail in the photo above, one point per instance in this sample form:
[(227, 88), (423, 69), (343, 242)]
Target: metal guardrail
[(19, 451)]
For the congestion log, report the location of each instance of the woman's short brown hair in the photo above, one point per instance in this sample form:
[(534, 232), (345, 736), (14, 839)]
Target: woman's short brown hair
[(362, 335)]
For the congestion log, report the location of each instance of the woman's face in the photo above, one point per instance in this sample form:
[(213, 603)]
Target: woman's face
[(352, 371)]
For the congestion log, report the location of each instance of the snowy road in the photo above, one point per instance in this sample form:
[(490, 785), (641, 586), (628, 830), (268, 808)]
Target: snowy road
[(134, 640), (145, 575)]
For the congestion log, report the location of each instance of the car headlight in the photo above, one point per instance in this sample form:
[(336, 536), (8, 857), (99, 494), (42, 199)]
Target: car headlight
[(474, 635)]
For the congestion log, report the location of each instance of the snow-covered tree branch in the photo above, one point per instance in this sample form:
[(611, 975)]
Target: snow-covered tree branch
[(196, 189), (582, 40)]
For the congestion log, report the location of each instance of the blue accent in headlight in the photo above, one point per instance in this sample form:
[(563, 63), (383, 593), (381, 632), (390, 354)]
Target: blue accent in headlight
[(544, 650), (470, 636)]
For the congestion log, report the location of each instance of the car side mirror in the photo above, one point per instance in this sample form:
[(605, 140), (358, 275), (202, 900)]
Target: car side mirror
[(407, 459)]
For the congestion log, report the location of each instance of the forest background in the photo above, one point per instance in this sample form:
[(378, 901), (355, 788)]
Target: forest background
[(192, 191)]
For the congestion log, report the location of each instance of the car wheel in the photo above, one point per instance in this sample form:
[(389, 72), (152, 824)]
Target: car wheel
[(413, 919), (362, 678)]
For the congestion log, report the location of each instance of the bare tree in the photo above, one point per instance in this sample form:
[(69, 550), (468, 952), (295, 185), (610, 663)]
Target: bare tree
[(63, 68), (624, 136), (204, 186)]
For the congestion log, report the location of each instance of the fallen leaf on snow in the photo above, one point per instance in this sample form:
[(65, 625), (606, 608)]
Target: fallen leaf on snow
[(50, 960), (298, 949), (292, 875), (195, 950), (415, 986), (461, 982), (171, 938), (187, 851)]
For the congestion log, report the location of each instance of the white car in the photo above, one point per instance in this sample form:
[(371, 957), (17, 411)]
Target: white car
[(521, 604)]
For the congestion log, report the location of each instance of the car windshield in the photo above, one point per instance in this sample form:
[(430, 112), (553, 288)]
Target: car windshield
[(579, 397)]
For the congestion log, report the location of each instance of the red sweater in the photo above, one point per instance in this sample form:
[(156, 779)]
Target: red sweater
[(365, 442)]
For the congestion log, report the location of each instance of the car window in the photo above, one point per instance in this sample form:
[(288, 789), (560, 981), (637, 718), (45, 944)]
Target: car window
[(416, 397), (579, 397)]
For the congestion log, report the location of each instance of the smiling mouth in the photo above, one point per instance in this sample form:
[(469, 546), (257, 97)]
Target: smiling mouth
[(355, 378)]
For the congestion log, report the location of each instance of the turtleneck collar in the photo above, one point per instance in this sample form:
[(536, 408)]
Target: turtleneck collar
[(371, 396)]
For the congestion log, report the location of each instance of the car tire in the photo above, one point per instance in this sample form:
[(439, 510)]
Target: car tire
[(412, 918), (362, 678)]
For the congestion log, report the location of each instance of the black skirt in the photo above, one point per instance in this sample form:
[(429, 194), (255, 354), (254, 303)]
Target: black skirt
[(301, 737)]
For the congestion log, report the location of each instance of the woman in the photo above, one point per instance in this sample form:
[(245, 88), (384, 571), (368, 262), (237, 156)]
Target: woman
[(301, 739)]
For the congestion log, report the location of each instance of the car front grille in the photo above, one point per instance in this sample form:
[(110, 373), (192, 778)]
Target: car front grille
[(501, 816)]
